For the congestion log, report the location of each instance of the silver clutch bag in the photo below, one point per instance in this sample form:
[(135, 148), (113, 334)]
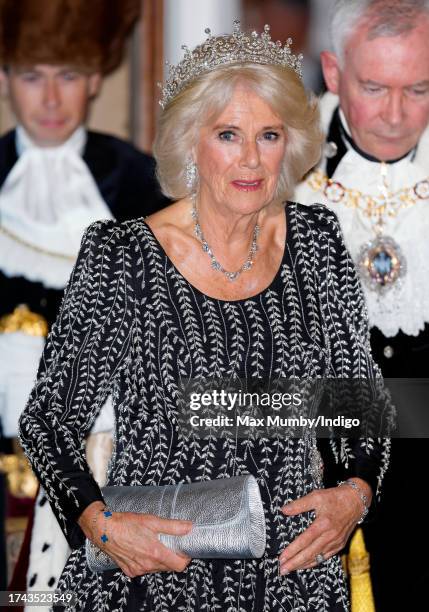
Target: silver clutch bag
[(227, 515)]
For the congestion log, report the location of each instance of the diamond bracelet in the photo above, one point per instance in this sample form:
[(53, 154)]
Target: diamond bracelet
[(361, 494)]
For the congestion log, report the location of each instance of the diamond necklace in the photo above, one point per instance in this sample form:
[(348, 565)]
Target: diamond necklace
[(231, 276)]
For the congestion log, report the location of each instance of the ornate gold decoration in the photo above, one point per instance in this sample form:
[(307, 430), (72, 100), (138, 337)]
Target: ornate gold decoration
[(381, 261), (358, 564), (16, 524), (25, 321), (20, 478), (388, 203)]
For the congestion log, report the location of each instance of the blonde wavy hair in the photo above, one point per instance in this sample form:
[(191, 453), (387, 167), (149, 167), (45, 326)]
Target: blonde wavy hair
[(206, 97)]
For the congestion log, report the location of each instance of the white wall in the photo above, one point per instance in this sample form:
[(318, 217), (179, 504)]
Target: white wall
[(186, 20)]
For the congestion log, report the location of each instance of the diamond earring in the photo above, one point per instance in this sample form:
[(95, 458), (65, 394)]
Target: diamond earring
[(191, 175)]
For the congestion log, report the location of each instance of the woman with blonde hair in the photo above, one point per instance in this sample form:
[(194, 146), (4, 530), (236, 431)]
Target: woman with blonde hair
[(228, 282)]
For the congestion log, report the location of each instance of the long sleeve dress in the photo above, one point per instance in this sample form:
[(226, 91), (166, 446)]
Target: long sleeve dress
[(131, 325)]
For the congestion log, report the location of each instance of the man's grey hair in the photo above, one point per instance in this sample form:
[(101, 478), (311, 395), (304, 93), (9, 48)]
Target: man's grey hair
[(383, 17)]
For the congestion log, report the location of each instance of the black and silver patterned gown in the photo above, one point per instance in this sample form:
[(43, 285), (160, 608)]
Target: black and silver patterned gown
[(130, 324)]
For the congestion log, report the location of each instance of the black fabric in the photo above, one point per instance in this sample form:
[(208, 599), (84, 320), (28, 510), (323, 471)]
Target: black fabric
[(3, 564), (124, 176), (144, 329), (18, 290), (127, 183), (399, 558), (335, 136), (8, 155), (410, 358), (397, 540)]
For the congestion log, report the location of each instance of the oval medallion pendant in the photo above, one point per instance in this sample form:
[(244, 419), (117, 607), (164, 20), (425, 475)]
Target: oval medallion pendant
[(381, 263)]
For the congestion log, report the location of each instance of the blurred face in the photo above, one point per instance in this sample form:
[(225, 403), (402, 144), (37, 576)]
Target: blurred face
[(239, 155), (50, 102), (383, 89)]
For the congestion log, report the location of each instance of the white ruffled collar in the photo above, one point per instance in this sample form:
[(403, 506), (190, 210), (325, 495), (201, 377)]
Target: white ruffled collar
[(406, 306), (46, 202)]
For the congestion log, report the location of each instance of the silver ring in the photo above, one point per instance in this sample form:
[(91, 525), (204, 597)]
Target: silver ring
[(319, 558)]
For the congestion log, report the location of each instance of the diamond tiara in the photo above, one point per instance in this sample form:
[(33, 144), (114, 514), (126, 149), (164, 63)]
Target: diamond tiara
[(226, 50)]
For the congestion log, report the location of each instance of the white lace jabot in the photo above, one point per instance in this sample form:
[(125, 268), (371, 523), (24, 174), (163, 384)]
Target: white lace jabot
[(406, 306), (46, 202)]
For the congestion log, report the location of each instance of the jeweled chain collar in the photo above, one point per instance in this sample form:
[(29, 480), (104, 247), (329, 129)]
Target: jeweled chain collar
[(381, 261), (390, 202)]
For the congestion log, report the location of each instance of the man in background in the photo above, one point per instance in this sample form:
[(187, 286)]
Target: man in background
[(56, 178), (374, 174)]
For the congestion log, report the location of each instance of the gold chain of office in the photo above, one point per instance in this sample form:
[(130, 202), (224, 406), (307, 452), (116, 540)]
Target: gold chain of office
[(36, 248), (390, 203)]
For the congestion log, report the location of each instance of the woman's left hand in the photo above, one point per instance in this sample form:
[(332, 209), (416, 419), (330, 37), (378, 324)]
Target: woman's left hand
[(337, 510)]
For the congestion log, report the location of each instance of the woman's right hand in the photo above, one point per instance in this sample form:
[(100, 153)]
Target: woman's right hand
[(133, 541)]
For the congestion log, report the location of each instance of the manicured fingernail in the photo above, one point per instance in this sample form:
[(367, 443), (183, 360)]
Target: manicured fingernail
[(283, 570)]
